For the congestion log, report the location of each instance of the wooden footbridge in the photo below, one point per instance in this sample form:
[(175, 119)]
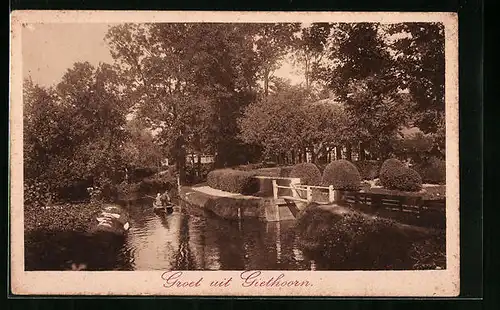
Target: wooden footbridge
[(292, 198), (304, 193)]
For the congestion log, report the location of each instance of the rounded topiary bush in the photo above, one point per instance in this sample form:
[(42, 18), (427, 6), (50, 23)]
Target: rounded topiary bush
[(343, 175), (386, 169), (308, 173), (395, 175)]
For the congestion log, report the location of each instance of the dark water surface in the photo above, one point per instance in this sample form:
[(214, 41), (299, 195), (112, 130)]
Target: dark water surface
[(187, 239)]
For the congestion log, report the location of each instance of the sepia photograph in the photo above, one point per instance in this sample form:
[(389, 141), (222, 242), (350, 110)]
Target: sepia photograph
[(280, 151)]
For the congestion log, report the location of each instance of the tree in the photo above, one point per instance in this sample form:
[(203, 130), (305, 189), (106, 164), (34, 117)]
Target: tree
[(272, 43), (287, 122), (96, 117), (140, 148), (311, 48), (73, 133), (41, 131), (178, 70), (419, 54), (274, 122), (360, 71)]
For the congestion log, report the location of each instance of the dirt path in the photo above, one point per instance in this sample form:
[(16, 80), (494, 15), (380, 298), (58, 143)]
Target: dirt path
[(218, 193)]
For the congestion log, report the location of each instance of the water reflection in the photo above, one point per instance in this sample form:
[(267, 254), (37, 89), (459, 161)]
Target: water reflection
[(187, 239)]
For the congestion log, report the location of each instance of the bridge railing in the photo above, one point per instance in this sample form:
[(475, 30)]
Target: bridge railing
[(302, 192)]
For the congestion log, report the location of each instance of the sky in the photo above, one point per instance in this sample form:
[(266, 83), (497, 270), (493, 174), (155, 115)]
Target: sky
[(51, 49)]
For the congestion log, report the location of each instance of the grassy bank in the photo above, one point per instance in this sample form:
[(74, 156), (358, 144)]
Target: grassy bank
[(60, 217), (352, 240)]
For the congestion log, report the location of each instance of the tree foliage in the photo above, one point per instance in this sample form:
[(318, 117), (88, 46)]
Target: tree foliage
[(287, 120), (191, 80), (73, 132), (388, 76), (140, 148), (419, 57), (210, 87)]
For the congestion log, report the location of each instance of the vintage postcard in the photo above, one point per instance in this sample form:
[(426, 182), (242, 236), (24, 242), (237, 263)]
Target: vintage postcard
[(234, 153)]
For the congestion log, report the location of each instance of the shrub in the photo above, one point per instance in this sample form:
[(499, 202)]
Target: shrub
[(157, 183), (140, 173), (432, 171), (368, 169), (342, 174), (269, 172), (125, 188), (352, 240), (308, 173), (233, 181), (395, 175), (269, 164), (194, 176), (285, 171), (389, 165), (38, 194), (109, 191), (249, 167)]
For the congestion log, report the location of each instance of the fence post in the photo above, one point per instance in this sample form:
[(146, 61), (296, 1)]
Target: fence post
[(275, 189), (331, 194), (293, 182), (309, 194)]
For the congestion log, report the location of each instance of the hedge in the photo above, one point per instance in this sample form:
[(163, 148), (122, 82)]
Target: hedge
[(368, 169), (395, 175), (233, 181), (343, 175), (249, 167), (432, 171), (308, 173), (286, 171)]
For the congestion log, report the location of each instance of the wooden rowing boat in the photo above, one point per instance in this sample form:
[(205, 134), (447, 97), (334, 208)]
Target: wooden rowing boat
[(169, 208)]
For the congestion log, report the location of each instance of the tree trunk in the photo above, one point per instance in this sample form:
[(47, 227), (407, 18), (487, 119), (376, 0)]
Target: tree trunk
[(181, 161), (266, 82), (349, 152), (307, 72), (293, 157), (198, 167), (362, 155)]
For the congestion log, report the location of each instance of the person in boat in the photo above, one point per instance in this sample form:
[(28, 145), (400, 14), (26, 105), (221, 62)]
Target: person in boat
[(165, 199), (158, 200)]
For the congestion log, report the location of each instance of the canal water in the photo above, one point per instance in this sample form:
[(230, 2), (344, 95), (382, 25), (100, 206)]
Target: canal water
[(187, 239)]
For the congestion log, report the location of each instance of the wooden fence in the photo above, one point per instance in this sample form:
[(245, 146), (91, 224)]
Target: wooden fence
[(410, 209)]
